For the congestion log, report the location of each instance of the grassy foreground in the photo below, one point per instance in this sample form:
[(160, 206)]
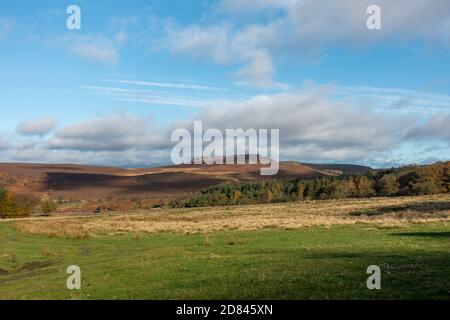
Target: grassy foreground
[(314, 262)]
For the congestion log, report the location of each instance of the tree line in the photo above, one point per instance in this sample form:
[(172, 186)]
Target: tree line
[(21, 205), (405, 181)]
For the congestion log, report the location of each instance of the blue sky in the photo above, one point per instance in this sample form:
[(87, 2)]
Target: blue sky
[(337, 91)]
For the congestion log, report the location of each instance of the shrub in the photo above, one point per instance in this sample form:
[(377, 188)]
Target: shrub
[(26, 201), (364, 187), (424, 187), (48, 207), (10, 207), (388, 185)]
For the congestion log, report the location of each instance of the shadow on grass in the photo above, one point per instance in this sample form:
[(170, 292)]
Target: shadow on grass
[(406, 274), (426, 207), (441, 235)]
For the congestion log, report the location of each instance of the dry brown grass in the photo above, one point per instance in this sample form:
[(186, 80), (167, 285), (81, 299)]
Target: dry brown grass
[(383, 212)]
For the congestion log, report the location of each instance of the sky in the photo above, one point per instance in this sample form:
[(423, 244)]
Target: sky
[(112, 92)]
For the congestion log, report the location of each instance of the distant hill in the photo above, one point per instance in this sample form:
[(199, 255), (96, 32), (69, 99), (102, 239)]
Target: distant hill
[(81, 188), (343, 168), (82, 182)]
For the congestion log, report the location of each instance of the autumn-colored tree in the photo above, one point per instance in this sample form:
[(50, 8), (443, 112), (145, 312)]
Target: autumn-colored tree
[(426, 183), (47, 207), (446, 178), (301, 191), (388, 185), (236, 196), (9, 208), (364, 187), (266, 197), (6, 204), (339, 189)]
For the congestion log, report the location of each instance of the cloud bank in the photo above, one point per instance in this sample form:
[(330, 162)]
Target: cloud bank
[(39, 127), (314, 126), (303, 28)]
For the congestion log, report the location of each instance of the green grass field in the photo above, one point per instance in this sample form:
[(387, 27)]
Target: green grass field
[(309, 263)]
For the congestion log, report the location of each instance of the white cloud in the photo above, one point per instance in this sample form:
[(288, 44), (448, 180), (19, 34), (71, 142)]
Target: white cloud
[(167, 85), (343, 23), (96, 48), (259, 71), (252, 6), (38, 127), (4, 143), (314, 127), (392, 99), (116, 140), (435, 128), (6, 26), (156, 97), (131, 158), (27, 145), (119, 132), (220, 44), (304, 28), (209, 42)]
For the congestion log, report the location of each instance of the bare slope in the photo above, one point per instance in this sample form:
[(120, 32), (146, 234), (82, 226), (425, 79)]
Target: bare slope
[(80, 182)]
